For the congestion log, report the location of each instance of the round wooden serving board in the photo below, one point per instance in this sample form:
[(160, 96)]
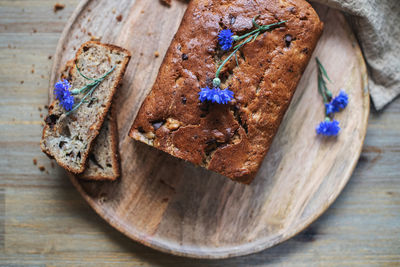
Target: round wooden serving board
[(175, 207)]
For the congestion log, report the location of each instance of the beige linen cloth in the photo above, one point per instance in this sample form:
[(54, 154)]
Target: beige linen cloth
[(376, 24)]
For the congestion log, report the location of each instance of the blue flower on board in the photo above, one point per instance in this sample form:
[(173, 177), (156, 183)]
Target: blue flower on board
[(328, 128), (225, 39), (329, 108), (340, 102)]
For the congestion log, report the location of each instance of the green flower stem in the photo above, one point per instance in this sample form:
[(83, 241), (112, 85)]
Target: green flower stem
[(231, 55), (83, 99), (95, 81), (253, 35), (93, 85), (260, 29), (322, 88)]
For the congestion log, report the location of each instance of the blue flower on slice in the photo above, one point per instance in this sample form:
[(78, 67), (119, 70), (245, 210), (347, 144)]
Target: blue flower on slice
[(60, 87), (328, 128), (61, 90), (225, 39), (216, 95), (67, 101)]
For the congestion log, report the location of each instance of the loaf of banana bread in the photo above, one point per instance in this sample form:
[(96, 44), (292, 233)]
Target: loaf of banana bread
[(230, 139)]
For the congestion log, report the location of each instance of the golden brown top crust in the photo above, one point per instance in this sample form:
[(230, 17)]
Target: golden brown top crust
[(230, 139)]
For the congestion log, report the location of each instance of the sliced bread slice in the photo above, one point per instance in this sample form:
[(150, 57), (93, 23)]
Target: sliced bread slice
[(103, 162), (103, 159), (69, 138)]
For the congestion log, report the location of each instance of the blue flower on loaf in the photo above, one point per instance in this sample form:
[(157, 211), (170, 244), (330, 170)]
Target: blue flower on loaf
[(225, 39), (216, 95)]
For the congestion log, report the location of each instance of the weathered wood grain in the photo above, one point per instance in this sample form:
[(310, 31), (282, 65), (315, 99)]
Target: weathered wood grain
[(46, 222)]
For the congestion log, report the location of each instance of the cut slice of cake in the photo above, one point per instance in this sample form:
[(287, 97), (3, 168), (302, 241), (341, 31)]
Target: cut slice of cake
[(68, 138), (231, 139)]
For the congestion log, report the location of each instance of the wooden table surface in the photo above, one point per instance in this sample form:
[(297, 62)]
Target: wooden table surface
[(44, 221)]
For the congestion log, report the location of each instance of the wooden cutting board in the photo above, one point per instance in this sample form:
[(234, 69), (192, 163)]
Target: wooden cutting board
[(175, 207)]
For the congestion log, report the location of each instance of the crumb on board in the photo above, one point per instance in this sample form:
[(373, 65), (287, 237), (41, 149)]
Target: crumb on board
[(114, 10), (166, 2), (41, 115), (156, 54), (21, 82), (142, 12), (42, 168), (40, 108), (119, 18), (42, 76), (34, 161), (32, 70), (47, 172), (58, 7), (46, 106), (95, 38), (52, 164), (34, 31), (50, 57)]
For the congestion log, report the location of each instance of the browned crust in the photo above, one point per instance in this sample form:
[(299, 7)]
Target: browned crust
[(101, 117), (115, 152), (276, 80)]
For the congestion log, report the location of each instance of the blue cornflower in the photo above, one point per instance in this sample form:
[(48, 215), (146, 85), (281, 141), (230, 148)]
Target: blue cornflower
[(337, 103), (61, 90), (225, 39), (216, 95), (329, 108), (328, 128), (204, 94), (226, 95), (67, 100), (340, 101), (60, 87)]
